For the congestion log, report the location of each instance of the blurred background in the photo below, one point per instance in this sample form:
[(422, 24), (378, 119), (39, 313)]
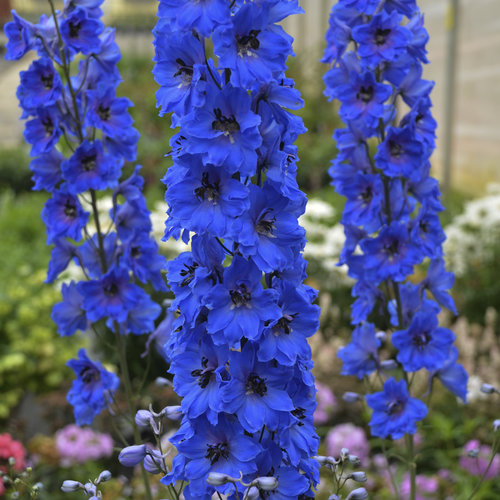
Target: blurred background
[(464, 54)]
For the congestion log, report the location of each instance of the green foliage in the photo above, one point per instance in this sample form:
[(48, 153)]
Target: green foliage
[(15, 174), (32, 356)]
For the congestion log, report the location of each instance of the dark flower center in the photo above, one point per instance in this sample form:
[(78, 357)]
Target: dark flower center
[(74, 29), (224, 124), (247, 42), (256, 384), (111, 290), (393, 248), (104, 112), (207, 191), (381, 35), (300, 414), (395, 149), (188, 273), (283, 324), (185, 71), (367, 194), (420, 340), (395, 407), (89, 163), (214, 452), (89, 375), (424, 226), (48, 126), (241, 295), (47, 80), (205, 375), (135, 252), (70, 209), (365, 94), (265, 224)]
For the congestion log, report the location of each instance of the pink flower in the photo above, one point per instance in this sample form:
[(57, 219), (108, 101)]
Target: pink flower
[(477, 466), (77, 445), (347, 436), (11, 448), (326, 403), (426, 486)]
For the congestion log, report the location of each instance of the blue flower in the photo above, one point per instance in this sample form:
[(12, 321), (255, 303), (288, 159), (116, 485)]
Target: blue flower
[(90, 168), (40, 86), (453, 375), (383, 39), (92, 390), (113, 295), (20, 37), (69, 315), (239, 306), (360, 356), (395, 413), (64, 216), (80, 33), (225, 131), (438, 282), (47, 170), (256, 392), (423, 344), (186, 15), (61, 255), (254, 49), (43, 131), (203, 198)]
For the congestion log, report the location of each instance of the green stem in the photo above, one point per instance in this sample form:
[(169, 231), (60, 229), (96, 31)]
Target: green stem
[(412, 466)]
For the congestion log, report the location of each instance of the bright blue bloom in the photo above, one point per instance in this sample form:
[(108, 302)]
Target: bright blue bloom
[(427, 232), (91, 256), (204, 198), (256, 392), (253, 48), (141, 316), (40, 85), (92, 390), (61, 255), (111, 296), (81, 33), (186, 15), (180, 71), (391, 255), (424, 344), (69, 315), (395, 412), (64, 216), (239, 306), (20, 37), (360, 356), (130, 217), (453, 375), (285, 339), (43, 131), (90, 168), (383, 39), (438, 282), (225, 131), (47, 170)]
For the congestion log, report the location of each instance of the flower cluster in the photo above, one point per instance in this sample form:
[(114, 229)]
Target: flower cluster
[(376, 49), (81, 134), (239, 351), (11, 453)]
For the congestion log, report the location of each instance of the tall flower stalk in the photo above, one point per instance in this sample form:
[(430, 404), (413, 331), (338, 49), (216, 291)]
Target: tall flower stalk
[(376, 49), (81, 135), (239, 352)]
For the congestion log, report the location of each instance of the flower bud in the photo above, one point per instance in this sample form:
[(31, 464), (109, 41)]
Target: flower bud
[(69, 486), (389, 364), (132, 455), (496, 425), (218, 479), (358, 476), (474, 453), (172, 412), (488, 389), (12, 461), (357, 494), (266, 483), (351, 397), (344, 454), (153, 462), (381, 336), (252, 493), (143, 418), (333, 497), (162, 382), (321, 459), (354, 460), (104, 476)]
